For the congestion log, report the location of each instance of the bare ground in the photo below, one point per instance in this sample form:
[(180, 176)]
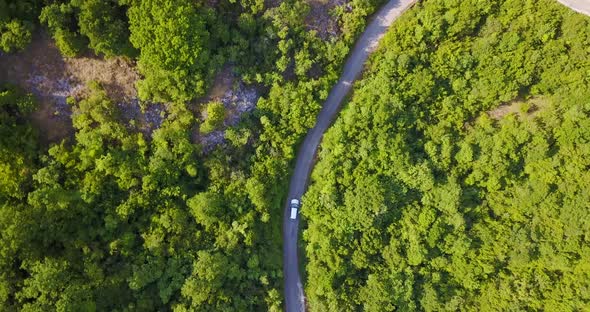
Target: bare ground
[(529, 108), (42, 70), (321, 20), (237, 98), (142, 116)]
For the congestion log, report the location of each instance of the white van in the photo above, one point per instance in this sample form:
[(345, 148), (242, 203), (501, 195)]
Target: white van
[(294, 207)]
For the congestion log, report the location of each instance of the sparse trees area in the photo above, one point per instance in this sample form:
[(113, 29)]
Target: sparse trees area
[(421, 201)]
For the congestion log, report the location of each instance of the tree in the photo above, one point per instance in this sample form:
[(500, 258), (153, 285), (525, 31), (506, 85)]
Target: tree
[(15, 36), (52, 284), (174, 55), (104, 23), (17, 20), (215, 112), (18, 142), (58, 18)]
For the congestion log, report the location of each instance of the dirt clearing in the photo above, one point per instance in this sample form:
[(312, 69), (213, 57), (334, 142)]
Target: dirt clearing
[(42, 70), (529, 108), (321, 19), (237, 98)]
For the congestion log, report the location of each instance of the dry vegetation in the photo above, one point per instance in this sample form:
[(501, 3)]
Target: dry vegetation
[(41, 70), (521, 108)]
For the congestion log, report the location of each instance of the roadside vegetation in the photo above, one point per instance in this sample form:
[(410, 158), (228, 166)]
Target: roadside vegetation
[(114, 218), (427, 197)]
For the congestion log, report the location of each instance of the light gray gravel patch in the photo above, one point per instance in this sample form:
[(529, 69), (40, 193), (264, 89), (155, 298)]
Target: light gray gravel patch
[(146, 116), (242, 99), (237, 101), (61, 89)]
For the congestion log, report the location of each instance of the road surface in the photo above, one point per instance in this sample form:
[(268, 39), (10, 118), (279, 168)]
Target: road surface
[(582, 6), (294, 298)]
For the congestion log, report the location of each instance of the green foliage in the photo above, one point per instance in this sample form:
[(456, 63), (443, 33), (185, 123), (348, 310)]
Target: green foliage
[(17, 20), (77, 24), (215, 117), (104, 23), (116, 219), (174, 52), (18, 144), (15, 36), (18, 160), (58, 18), (421, 201)]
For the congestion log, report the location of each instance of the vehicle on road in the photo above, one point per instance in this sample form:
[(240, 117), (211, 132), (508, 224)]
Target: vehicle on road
[(365, 45), (294, 207)]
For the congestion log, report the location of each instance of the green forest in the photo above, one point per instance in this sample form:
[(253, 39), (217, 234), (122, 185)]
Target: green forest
[(457, 176), (114, 219), (427, 198)]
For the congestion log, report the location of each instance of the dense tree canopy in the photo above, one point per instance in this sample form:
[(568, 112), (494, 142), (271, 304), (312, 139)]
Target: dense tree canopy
[(120, 219), (118, 222), (174, 44), (97, 24), (426, 197)]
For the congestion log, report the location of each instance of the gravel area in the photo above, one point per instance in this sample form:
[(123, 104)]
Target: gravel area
[(146, 116), (239, 100), (56, 91), (321, 18), (41, 70)]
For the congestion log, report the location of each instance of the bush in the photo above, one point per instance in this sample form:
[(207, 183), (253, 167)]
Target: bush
[(215, 116), (14, 35)]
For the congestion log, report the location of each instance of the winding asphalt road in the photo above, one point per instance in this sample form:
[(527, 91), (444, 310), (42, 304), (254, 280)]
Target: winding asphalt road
[(582, 6), (367, 43)]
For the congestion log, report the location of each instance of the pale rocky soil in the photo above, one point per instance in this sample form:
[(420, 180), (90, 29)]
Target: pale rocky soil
[(238, 100), (145, 117), (321, 19)]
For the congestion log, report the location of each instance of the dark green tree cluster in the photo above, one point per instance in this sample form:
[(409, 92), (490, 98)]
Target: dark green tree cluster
[(422, 201), (18, 161), (98, 24), (17, 20), (18, 142), (175, 51), (74, 24)]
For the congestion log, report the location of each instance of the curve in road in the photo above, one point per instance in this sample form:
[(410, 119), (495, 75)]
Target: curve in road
[(367, 43), (581, 6)]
